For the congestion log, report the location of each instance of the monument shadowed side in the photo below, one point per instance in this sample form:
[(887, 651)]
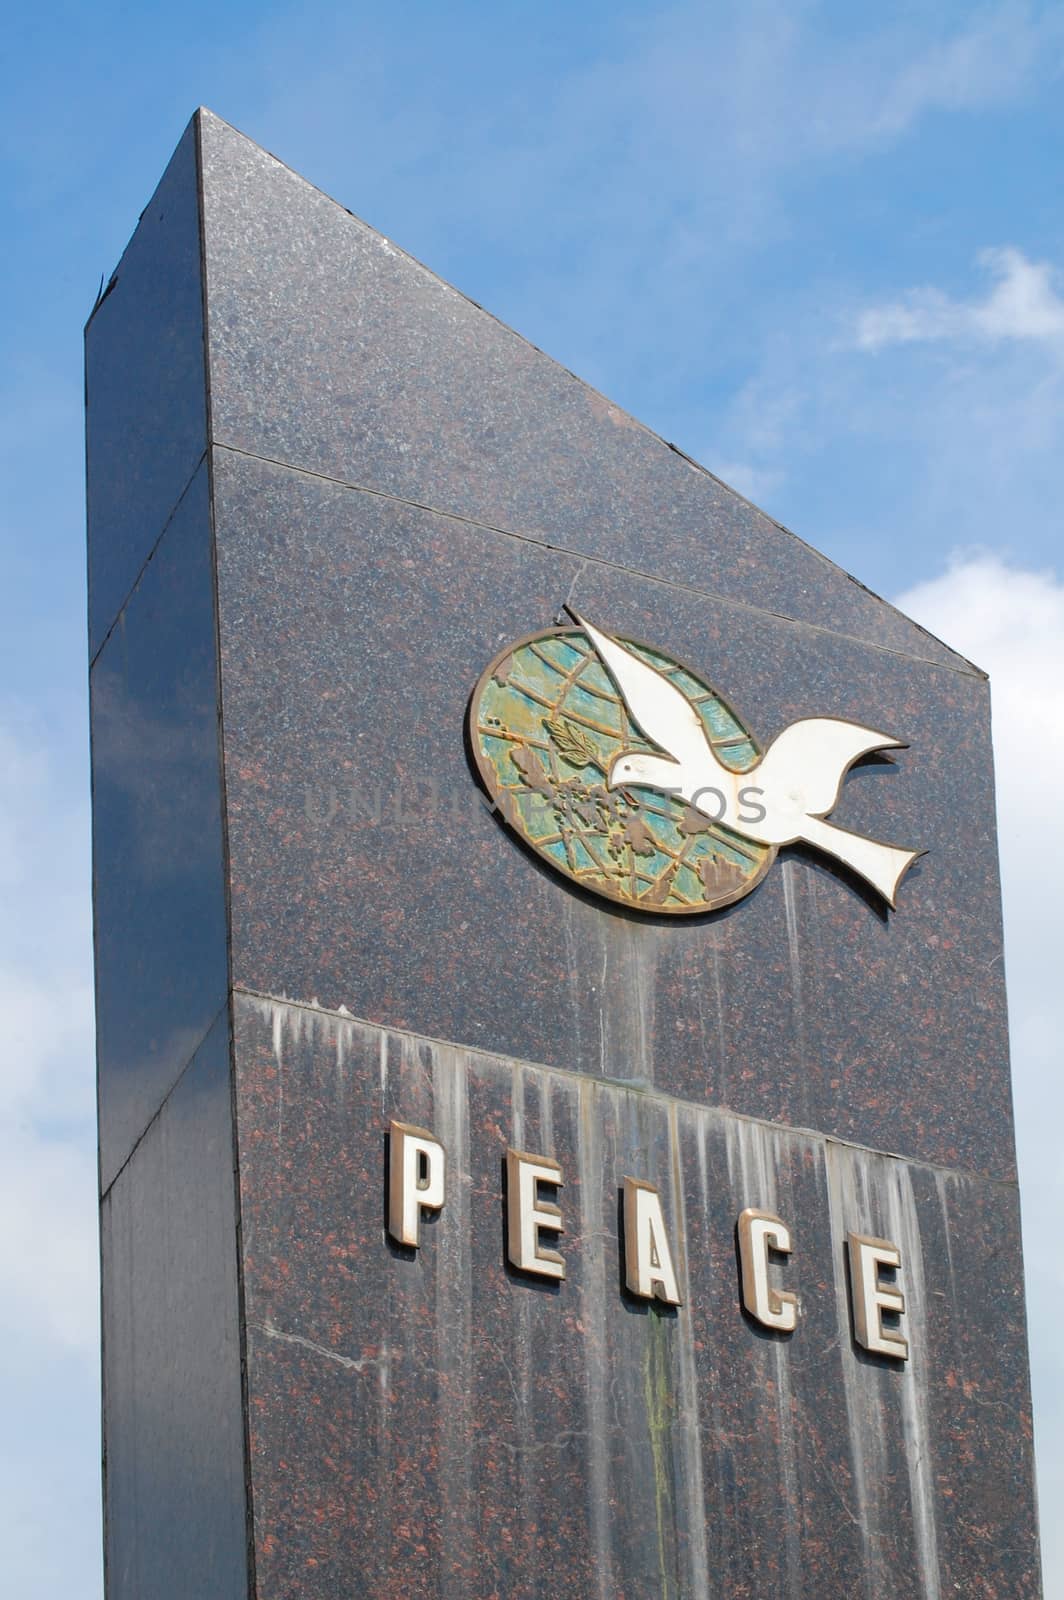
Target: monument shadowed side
[(175, 1525), (174, 1479), (145, 382)]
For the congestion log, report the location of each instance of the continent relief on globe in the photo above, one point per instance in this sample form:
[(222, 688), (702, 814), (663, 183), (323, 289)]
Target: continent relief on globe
[(547, 722)]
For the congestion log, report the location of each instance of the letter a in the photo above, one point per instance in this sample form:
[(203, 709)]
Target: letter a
[(648, 1269)]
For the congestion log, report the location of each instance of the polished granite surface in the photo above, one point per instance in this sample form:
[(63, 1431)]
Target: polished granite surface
[(288, 829)]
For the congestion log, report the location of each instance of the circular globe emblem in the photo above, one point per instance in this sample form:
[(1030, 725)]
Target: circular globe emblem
[(547, 722)]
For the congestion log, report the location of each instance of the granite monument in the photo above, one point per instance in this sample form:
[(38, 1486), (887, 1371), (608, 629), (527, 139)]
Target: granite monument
[(473, 1225)]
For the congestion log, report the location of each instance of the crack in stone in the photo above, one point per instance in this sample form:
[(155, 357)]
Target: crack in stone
[(353, 1365)]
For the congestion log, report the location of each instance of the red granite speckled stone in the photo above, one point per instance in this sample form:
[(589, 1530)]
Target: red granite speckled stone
[(312, 525)]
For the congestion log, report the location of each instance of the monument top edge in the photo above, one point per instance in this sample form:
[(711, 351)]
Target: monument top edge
[(206, 128)]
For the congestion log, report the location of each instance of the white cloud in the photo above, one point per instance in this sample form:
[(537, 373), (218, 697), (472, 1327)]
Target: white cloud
[(48, 1248), (634, 177), (49, 1304), (21, 772), (1022, 304), (47, 1090), (986, 63), (754, 483), (1011, 622), (955, 436)]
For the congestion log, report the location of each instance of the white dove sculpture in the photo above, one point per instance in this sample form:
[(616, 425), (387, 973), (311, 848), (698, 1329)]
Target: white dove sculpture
[(782, 799)]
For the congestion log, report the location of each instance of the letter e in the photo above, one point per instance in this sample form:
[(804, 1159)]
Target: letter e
[(871, 1298), (527, 1216)]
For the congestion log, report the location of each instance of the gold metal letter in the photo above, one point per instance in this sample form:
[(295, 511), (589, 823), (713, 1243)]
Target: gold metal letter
[(416, 1166), (760, 1232), (528, 1215), (871, 1298), (648, 1269)]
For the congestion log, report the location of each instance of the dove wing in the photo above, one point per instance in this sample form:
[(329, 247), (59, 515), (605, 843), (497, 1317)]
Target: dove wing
[(813, 756), (659, 709)]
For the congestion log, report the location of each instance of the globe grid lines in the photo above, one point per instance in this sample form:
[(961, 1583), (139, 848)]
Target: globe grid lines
[(595, 835)]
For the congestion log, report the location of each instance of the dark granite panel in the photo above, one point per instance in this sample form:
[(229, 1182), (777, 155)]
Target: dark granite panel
[(448, 1428), (978, 1343), (174, 1436), (158, 876), (145, 389), (353, 629), (333, 351)]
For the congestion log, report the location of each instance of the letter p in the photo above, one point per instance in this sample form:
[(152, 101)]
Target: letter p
[(416, 1171)]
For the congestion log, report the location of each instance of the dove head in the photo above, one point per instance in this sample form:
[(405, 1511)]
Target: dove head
[(652, 772)]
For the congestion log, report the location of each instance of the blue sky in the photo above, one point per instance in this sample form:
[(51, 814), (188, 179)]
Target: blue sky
[(819, 247)]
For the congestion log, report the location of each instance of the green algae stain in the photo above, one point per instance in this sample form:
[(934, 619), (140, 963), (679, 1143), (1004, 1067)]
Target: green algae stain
[(657, 1393)]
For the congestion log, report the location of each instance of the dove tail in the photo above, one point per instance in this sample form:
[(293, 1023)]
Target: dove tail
[(881, 865)]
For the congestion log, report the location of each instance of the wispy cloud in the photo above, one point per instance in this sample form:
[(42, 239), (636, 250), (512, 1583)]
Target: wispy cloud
[(987, 62), (753, 483), (49, 1316), (1023, 303), (619, 194), (47, 1085)]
